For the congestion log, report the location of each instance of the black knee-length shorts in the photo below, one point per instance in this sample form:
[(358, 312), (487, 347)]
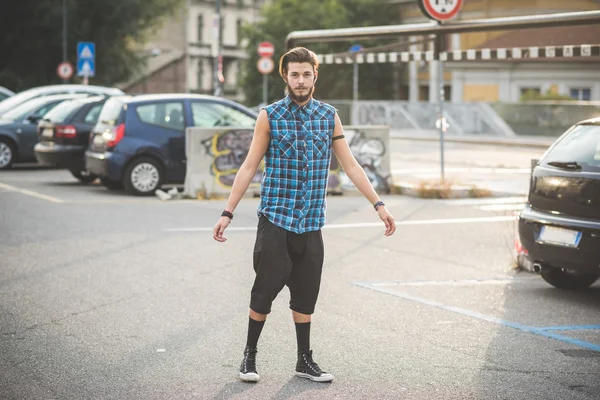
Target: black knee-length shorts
[(284, 258)]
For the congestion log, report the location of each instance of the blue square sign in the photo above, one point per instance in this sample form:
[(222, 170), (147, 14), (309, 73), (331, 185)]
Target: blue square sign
[(86, 59), (86, 68)]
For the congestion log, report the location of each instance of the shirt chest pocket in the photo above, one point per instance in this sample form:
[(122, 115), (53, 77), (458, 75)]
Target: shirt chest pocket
[(320, 143), (287, 145)]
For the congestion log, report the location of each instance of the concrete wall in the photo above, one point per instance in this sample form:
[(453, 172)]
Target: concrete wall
[(544, 119), (215, 155)]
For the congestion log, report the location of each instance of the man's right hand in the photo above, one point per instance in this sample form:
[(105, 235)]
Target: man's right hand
[(220, 228)]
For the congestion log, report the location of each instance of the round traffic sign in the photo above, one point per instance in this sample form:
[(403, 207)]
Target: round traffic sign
[(64, 70), (266, 49), (440, 10), (265, 65)]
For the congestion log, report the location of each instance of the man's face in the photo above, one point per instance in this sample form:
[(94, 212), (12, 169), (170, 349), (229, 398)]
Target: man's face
[(300, 81)]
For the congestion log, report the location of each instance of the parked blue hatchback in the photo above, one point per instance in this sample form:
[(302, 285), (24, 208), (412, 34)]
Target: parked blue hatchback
[(139, 141)]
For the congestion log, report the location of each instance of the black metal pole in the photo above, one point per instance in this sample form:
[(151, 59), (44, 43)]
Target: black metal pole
[(217, 60), (64, 38), (438, 49)]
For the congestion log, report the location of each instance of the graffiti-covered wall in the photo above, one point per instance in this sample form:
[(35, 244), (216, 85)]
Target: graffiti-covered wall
[(215, 155), (370, 147)]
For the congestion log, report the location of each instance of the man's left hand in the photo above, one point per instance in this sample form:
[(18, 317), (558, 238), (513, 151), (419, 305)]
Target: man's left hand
[(388, 220)]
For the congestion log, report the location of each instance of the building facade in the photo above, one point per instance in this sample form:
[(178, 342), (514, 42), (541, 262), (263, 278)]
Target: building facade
[(507, 81), (182, 55)]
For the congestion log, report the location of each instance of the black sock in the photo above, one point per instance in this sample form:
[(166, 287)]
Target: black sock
[(254, 330), (303, 336)]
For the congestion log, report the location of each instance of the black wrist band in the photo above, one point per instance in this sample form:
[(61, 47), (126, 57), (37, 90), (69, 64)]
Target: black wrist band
[(378, 204), (227, 214)]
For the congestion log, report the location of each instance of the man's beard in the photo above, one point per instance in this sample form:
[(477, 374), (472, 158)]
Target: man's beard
[(301, 98)]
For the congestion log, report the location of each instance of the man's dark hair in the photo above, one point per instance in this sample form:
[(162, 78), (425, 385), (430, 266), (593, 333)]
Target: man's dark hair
[(297, 55)]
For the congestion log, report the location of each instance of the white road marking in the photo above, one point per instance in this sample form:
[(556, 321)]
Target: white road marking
[(476, 202), (485, 170), (366, 224), (30, 193), (502, 207), (457, 282)]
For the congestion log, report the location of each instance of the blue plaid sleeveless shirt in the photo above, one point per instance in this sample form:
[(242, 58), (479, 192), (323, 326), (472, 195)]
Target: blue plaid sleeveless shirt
[(294, 182)]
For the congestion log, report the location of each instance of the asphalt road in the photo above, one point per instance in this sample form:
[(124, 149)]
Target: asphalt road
[(106, 296)]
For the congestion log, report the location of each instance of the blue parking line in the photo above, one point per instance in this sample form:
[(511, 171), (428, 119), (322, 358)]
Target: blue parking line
[(545, 332), (570, 328)]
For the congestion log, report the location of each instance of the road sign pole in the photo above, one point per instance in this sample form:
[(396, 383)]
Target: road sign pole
[(355, 83), (437, 51), (64, 38), (265, 89), (355, 49)]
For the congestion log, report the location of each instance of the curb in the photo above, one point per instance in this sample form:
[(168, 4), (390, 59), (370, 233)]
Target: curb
[(541, 143), (451, 191)]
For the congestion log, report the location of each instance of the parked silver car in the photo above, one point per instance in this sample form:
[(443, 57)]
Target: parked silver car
[(22, 97), (5, 93)]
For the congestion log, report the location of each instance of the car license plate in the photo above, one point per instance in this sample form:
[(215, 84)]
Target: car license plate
[(559, 236), (48, 133)]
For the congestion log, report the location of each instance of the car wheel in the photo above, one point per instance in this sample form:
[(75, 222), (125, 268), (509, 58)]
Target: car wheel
[(7, 154), (83, 176), (567, 280), (111, 185), (143, 176)]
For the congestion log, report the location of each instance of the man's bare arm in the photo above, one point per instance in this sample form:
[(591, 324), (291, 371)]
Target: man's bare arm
[(258, 148), (350, 165), (247, 171), (358, 177)]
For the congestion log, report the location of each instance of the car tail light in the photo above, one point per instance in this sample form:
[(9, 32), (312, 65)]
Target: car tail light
[(519, 248), (65, 131), (115, 136)]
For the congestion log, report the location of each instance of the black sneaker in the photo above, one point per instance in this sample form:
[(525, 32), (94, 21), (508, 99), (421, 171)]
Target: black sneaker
[(307, 368), (248, 368)]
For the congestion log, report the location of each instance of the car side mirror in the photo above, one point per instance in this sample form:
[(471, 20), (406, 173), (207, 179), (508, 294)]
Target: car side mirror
[(34, 119)]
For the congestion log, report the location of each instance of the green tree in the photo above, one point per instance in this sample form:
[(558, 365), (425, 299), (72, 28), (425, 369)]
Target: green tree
[(335, 80), (31, 38)]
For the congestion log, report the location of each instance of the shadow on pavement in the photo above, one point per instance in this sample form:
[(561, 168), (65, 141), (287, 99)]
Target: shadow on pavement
[(232, 389), (296, 385), (546, 345)]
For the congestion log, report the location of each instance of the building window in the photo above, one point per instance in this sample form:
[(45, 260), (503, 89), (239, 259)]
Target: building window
[(200, 75), (581, 93), (528, 91), (200, 30), (238, 27)]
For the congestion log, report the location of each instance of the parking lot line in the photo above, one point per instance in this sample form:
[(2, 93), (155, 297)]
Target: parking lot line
[(489, 318), (30, 193), (570, 328), (366, 224)]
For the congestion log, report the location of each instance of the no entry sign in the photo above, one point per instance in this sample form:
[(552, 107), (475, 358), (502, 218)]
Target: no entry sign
[(440, 10), (266, 49)]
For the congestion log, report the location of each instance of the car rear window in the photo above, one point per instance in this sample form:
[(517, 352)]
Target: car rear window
[(62, 111), (581, 146), (111, 111)]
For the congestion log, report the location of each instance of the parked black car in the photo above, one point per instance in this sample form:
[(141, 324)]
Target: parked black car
[(18, 128), (139, 142), (559, 227), (64, 135)]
